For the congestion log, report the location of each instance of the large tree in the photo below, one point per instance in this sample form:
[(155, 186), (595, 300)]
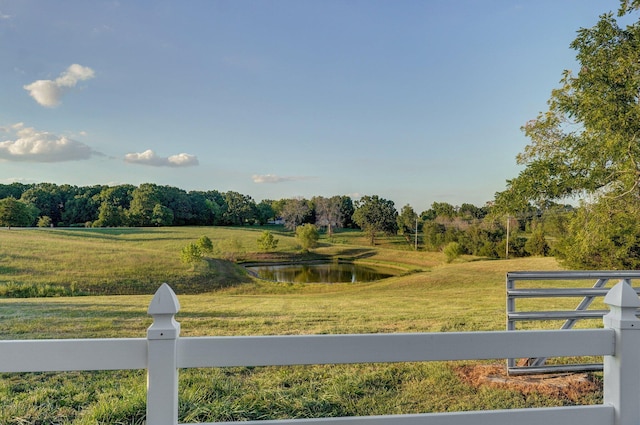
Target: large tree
[(294, 212), (200, 212), (14, 189), (374, 215), (177, 200), (328, 212), (241, 209), (264, 212), (408, 224), (587, 144), (346, 210), (118, 196), (110, 216), (114, 203), (49, 198), (144, 199), (14, 212), (208, 207), (79, 209)]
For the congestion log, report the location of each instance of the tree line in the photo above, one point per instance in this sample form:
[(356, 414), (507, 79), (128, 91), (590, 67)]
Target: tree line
[(476, 230), (154, 205)]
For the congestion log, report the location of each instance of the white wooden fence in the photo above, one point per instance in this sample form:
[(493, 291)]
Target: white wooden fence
[(163, 352)]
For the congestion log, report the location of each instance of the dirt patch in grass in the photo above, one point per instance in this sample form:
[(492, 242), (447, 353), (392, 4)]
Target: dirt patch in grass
[(570, 386)]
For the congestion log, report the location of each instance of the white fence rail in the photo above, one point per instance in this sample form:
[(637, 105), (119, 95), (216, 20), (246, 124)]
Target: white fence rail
[(163, 352)]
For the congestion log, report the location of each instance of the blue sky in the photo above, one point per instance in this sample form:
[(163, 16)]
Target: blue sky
[(414, 101)]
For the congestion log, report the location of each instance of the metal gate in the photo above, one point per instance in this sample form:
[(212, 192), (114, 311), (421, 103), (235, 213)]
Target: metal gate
[(536, 365)]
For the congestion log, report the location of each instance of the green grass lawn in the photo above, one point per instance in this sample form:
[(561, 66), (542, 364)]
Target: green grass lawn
[(136, 260), (219, 299)]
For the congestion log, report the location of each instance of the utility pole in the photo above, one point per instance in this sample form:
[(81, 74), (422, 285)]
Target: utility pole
[(506, 256), (416, 234)]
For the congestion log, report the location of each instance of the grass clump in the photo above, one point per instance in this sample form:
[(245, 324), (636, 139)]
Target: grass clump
[(73, 398), (32, 290)]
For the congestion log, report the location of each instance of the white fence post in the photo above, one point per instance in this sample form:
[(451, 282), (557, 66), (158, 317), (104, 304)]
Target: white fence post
[(162, 364), (622, 370)]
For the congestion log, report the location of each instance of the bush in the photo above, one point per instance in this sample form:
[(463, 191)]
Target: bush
[(205, 244), (536, 244), (488, 249), (516, 247), (307, 236), (44, 221), (267, 242), (452, 251), (604, 235), (191, 254)]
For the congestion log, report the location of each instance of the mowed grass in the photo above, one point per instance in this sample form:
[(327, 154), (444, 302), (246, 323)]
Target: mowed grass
[(116, 261), (136, 260), (429, 296)]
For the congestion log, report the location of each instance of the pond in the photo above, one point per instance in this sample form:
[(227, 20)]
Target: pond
[(321, 272)]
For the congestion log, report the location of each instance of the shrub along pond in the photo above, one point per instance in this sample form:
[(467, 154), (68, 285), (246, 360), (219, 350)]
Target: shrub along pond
[(333, 272)]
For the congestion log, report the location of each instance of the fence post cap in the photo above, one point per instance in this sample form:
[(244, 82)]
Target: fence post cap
[(623, 303), (622, 295), (163, 307), (164, 301)]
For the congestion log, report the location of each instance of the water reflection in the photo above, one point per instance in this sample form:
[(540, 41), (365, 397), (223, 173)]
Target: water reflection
[(320, 273)]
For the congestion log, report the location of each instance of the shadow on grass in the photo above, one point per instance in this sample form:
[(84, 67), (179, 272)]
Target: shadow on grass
[(356, 253), (347, 254), (217, 274), (210, 275), (8, 270), (285, 258), (114, 233)]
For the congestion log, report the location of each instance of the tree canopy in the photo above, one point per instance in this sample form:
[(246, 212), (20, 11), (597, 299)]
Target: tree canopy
[(294, 212), (588, 141), (374, 214), (328, 212), (587, 146), (14, 212), (307, 236)]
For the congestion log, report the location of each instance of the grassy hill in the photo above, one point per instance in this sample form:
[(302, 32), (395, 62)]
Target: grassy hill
[(429, 296)]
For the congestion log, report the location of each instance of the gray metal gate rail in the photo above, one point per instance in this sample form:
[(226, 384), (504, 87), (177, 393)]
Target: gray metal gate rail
[(537, 365)]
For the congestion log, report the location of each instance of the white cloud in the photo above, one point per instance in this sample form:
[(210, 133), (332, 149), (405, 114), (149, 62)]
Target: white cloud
[(49, 92), (26, 144), (149, 157), (272, 178), (5, 16)]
